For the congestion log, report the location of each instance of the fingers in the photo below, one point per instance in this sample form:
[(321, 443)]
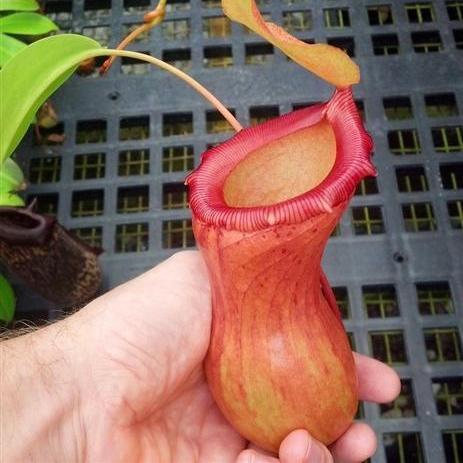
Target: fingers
[(377, 382), (260, 450), (253, 456), (357, 444), (297, 447), (300, 447)]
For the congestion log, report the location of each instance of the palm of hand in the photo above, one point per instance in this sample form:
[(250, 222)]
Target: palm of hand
[(187, 428)]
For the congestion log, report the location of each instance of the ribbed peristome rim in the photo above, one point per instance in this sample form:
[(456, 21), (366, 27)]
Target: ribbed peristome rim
[(353, 151)]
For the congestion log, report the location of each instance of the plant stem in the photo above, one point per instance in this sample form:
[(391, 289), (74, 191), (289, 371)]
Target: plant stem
[(181, 75)]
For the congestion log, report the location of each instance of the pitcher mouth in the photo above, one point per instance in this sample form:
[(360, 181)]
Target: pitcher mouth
[(353, 147), (22, 226)]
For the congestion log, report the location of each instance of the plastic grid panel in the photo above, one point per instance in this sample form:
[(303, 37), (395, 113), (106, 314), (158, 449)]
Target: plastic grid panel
[(396, 257)]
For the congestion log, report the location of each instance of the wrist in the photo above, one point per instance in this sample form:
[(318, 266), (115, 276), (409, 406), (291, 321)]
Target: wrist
[(40, 395)]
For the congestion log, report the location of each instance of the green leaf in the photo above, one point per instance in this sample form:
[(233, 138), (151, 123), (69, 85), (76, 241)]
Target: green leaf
[(9, 199), (7, 300), (26, 24), (9, 46), (11, 176), (31, 76), (18, 5)]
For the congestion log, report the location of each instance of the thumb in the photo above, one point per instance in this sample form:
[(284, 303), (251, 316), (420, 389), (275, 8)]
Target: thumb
[(300, 447)]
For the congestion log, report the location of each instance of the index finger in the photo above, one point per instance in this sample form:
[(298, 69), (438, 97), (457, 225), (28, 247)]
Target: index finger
[(377, 382)]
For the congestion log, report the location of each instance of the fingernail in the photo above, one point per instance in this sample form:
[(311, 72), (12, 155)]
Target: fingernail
[(315, 453)]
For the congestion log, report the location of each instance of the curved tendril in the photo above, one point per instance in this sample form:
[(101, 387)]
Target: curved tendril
[(127, 40), (151, 19), (181, 75)]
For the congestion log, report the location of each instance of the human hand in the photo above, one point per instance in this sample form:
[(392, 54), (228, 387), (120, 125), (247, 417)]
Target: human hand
[(127, 372)]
